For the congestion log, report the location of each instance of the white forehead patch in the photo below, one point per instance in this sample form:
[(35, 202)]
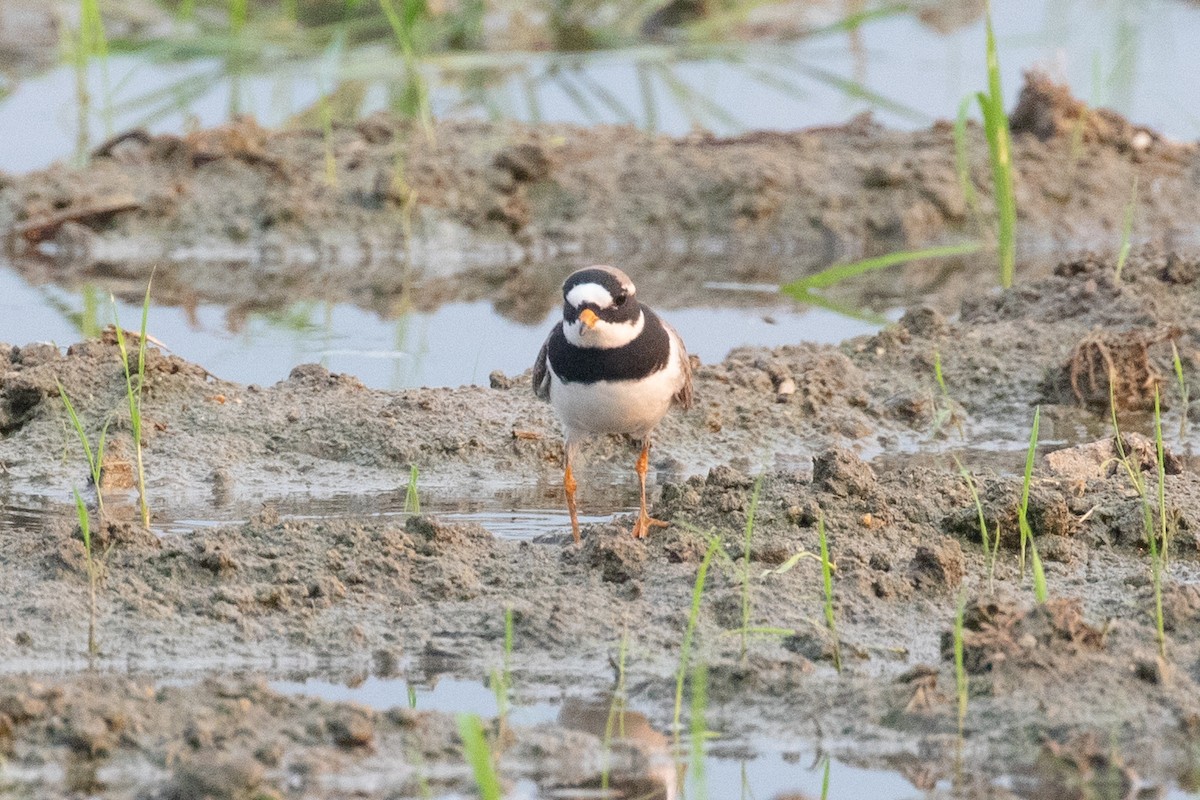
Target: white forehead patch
[(589, 293)]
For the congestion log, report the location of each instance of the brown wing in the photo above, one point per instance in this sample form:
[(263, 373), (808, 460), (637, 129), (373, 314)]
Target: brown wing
[(683, 398), (541, 372)]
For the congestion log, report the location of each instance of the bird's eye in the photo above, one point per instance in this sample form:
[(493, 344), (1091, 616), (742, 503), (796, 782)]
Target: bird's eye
[(620, 298)]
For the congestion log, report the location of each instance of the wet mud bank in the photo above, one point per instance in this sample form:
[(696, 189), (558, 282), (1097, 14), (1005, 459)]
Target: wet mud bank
[(501, 211), (1070, 693)]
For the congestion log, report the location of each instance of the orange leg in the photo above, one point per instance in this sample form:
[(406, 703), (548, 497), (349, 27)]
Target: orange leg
[(645, 522), (570, 485)]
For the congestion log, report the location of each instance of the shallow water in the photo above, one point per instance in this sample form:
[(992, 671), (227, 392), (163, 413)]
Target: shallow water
[(1129, 55), (417, 349), (751, 766), (765, 767), (907, 69)]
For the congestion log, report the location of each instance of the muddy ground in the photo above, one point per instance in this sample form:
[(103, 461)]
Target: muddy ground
[(251, 218), (1069, 696)]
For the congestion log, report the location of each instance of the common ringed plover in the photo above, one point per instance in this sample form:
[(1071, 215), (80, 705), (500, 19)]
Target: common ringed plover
[(611, 366)]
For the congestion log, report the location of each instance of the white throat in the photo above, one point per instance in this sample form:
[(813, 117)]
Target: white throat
[(604, 334)]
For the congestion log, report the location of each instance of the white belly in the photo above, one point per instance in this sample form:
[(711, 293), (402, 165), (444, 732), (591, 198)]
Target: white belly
[(633, 407)]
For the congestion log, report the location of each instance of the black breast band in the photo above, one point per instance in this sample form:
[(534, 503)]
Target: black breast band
[(645, 355)]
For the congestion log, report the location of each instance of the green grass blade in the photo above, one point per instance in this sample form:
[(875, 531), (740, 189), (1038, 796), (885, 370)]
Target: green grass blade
[(962, 688), (1127, 230), (1040, 592), (749, 535), (78, 426), (615, 724), (971, 487), (1181, 381), (85, 527), (962, 158), (841, 309), (995, 122), (479, 756), (827, 582), (685, 650), (85, 532), (238, 12), (840, 272), (1023, 509), (698, 729), (1160, 457), (1158, 558), (412, 498)]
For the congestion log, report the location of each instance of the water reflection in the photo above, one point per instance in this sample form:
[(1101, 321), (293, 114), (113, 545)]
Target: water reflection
[(419, 348), (658, 774), (811, 64)]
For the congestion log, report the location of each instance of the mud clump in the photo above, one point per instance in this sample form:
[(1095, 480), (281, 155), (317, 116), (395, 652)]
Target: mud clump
[(939, 566), (842, 473), (1047, 513), (1001, 632), (210, 775), (1048, 111), (1104, 458), (1113, 367), (614, 553)]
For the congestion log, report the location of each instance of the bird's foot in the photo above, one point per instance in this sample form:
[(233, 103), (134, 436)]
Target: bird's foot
[(641, 528)]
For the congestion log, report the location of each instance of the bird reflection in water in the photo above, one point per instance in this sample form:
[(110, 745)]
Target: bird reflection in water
[(639, 756)]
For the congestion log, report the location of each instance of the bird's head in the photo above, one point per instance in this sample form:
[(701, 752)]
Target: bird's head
[(600, 308)]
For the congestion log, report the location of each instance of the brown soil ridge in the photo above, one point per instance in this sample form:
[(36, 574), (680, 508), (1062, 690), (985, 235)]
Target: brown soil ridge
[(241, 211)]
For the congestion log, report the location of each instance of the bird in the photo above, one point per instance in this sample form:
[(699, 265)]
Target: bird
[(610, 366)]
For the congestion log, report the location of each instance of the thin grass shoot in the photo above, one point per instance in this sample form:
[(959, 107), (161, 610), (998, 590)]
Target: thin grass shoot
[(85, 531), (95, 458), (91, 42), (962, 159), (1158, 559), (1139, 485), (1127, 230), (479, 756), (834, 275), (134, 393), (501, 679), (1184, 391), (984, 538), (239, 11), (614, 726), (961, 685), (412, 498), (1040, 592), (827, 584), (698, 730), (1023, 509), (944, 406), (995, 125), (407, 19), (689, 634), (326, 111), (746, 540)]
